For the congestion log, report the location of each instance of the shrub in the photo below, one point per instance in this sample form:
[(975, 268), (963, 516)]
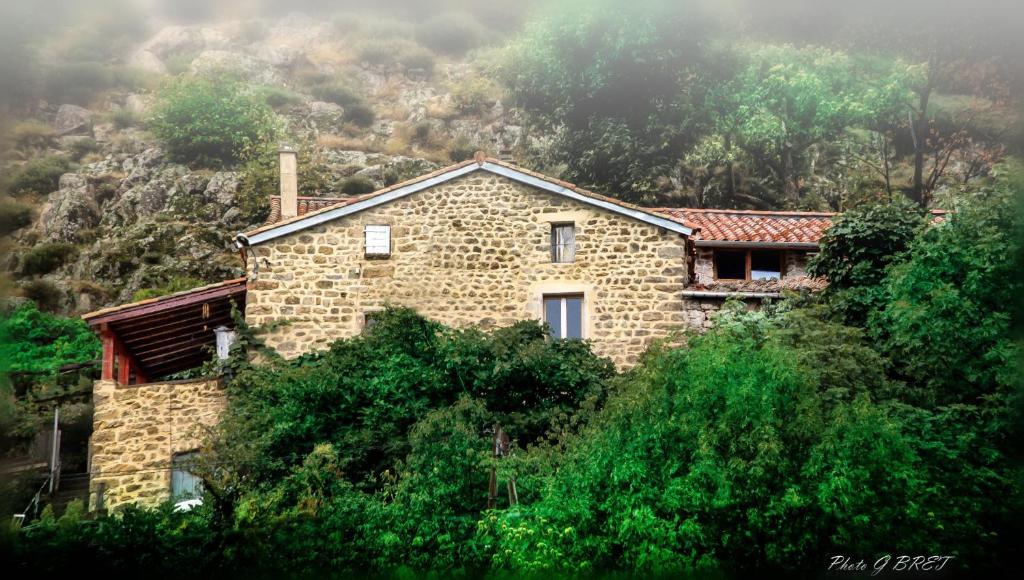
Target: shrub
[(179, 63), (280, 97), (856, 250), (31, 134), (357, 185), (81, 82), (417, 58), (37, 343), (211, 122), (124, 117), (174, 284), (360, 114), (451, 33), (475, 94), (14, 215), (82, 146), (47, 295), (462, 149), (40, 175), (46, 258), (337, 92)]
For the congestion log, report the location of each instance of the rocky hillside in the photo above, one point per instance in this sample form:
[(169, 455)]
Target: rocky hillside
[(360, 99)]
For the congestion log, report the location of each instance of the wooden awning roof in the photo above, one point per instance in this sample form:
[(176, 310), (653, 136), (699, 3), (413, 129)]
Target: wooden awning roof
[(158, 337)]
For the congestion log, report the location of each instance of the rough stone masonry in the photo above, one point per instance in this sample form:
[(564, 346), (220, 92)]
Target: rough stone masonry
[(472, 251)]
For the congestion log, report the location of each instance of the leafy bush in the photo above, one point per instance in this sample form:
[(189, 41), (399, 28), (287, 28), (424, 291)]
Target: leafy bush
[(337, 92), (451, 33), (47, 295), (461, 149), (474, 94), (45, 258), (947, 323), (14, 215), (82, 146), (211, 122), (856, 250), (124, 117), (34, 342), (280, 97), (360, 114), (41, 175), (357, 184), (31, 135), (175, 284)]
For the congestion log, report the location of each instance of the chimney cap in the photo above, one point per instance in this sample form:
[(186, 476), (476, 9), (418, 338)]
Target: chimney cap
[(286, 149), (480, 157)]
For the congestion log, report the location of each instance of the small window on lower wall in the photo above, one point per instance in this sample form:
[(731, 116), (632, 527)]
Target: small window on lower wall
[(748, 264), (370, 319), (184, 483), (564, 315)]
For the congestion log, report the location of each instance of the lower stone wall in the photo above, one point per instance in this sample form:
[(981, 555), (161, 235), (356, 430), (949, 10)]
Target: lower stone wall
[(137, 429)]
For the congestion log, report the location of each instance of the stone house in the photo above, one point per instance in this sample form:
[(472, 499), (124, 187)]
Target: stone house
[(481, 243)]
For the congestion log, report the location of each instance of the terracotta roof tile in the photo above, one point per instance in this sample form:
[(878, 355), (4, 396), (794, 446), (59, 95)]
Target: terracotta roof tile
[(753, 226), (306, 205)]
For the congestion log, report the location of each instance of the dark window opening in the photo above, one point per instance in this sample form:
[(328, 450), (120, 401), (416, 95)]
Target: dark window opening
[(765, 265), (730, 265)]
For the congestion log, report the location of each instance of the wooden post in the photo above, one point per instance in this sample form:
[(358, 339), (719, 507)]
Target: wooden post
[(124, 366), (109, 345)]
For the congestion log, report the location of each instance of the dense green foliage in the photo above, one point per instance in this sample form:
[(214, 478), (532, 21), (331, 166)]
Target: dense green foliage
[(777, 438), (35, 342), (211, 121), (856, 250), (614, 86)]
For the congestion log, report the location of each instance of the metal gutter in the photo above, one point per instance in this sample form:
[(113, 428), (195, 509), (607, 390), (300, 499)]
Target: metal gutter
[(723, 294)]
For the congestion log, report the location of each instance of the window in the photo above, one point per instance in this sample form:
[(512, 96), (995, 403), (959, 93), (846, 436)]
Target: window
[(730, 265), (748, 264), (378, 241), (564, 314), (765, 265), (371, 319), (563, 243), (185, 484)]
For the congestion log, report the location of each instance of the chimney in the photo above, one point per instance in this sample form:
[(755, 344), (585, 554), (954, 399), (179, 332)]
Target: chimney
[(289, 182)]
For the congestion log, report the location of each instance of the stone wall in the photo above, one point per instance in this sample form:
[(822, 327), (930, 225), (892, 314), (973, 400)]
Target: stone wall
[(472, 251), (137, 429)]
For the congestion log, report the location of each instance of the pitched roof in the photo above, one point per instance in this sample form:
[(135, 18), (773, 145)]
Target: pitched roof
[(751, 226), (314, 217), (306, 205)]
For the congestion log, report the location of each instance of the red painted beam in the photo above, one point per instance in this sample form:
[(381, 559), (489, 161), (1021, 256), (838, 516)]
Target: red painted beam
[(109, 346)]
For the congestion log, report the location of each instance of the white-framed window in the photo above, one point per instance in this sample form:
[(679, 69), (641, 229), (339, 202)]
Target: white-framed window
[(378, 240), (563, 243), (564, 315), (184, 483)]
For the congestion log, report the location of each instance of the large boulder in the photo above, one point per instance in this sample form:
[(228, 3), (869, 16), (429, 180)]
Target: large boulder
[(73, 120), (69, 210), (145, 60), (144, 199)]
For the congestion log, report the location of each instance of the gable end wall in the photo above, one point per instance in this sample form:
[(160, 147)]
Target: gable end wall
[(472, 251)]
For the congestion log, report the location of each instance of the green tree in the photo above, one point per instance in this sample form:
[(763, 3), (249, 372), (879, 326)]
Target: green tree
[(614, 85), (857, 249), (211, 121), (784, 102)]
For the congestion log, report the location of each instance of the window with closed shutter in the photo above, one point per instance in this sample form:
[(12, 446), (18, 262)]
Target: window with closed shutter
[(378, 240), (563, 243)]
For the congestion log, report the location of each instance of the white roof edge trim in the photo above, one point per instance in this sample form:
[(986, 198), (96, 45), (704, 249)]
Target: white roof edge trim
[(357, 207), (513, 174), (613, 207)]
